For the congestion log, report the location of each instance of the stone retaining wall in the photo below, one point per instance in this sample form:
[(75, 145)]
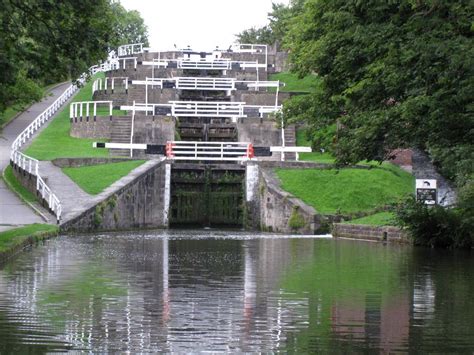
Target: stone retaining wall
[(101, 128), (376, 233)]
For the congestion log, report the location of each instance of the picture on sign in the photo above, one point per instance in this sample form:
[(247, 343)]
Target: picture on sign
[(426, 191)]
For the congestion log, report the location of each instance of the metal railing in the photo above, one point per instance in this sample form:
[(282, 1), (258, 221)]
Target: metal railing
[(103, 84), (185, 83), (221, 151), (207, 109), (82, 109), (31, 165), (219, 64), (130, 49)]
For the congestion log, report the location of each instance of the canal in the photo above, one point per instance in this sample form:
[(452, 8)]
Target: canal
[(182, 291)]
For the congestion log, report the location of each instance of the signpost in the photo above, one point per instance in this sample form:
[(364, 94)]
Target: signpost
[(426, 191)]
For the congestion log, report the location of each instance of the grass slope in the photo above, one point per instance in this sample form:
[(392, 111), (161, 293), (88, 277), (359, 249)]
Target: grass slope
[(55, 142), (377, 219), (11, 238), (94, 179), (310, 83), (347, 190), (16, 186), (302, 141)]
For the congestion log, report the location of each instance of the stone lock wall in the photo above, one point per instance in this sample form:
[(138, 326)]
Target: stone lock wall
[(376, 233), (139, 204)]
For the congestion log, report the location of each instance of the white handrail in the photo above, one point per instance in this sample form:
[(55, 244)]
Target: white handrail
[(30, 164), (76, 109), (216, 151), (130, 49)]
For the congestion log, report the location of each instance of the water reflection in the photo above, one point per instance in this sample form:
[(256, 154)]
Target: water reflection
[(176, 292)]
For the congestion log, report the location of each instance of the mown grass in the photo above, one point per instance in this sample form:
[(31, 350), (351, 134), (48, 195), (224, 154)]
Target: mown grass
[(348, 190), (14, 237), (302, 141), (94, 179), (55, 142), (14, 185), (377, 219), (310, 83)]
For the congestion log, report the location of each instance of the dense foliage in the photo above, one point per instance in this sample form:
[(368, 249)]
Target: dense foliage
[(395, 74), (435, 226), (47, 41), (280, 19)]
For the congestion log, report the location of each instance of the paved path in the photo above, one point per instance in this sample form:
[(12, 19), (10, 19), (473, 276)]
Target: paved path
[(13, 211), (72, 197)]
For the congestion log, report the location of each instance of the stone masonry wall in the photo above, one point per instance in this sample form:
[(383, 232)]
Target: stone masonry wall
[(278, 208), (358, 231), (101, 128), (139, 204)]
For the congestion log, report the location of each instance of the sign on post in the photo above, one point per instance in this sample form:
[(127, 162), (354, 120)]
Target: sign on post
[(426, 191)]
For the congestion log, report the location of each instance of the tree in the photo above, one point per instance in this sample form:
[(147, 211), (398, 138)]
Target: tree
[(280, 19), (45, 41), (129, 27), (395, 74)]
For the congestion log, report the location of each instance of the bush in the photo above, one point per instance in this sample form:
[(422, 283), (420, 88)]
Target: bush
[(435, 226)]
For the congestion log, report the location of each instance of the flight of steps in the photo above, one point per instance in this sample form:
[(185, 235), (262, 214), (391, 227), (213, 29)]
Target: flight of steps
[(121, 130), (290, 141)]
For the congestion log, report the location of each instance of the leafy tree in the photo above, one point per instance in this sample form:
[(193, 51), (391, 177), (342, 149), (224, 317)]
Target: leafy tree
[(280, 19), (395, 74), (45, 41), (129, 27), (262, 35)]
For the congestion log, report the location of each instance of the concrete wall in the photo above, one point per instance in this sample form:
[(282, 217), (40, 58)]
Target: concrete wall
[(138, 204), (155, 95), (258, 97), (153, 130), (358, 231), (278, 207), (281, 62), (101, 128), (119, 98), (259, 134)]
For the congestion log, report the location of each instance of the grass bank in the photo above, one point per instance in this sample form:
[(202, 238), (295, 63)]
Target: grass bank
[(310, 83), (13, 240), (55, 141), (302, 141), (348, 190), (14, 185), (94, 179)]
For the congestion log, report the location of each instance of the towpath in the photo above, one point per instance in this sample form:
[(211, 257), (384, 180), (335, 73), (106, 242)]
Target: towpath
[(13, 211)]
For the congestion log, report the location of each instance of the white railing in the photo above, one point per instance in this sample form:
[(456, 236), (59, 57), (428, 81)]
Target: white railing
[(103, 84), (222, 151), (30, 164), (130, 49), (207, 109), (82, 109), (205, 83), (47, 195), (125, 60), (220, 64), (249, 48)]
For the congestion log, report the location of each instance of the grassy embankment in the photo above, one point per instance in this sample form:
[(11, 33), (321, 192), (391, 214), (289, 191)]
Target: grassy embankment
[(11, 112), (11, 239), (294, 84), (55, 141), (94, 179), (16, 187), (345, 191)]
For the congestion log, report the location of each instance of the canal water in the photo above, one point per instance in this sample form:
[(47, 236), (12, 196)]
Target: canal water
[(175, 291)]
